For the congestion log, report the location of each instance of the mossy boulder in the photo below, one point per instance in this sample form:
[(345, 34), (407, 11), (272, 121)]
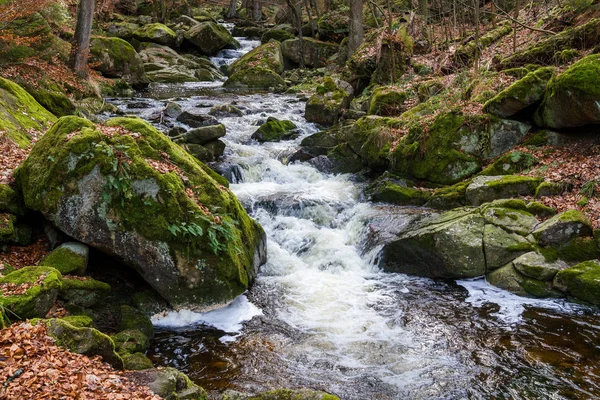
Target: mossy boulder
[(209, 37), (20, 112), (87, 341), (165, 65), (201, 135), (225, 111), (276, 34), (502, 246), (11, 201), (572, 97), (370, 137), (115, 58), (562, 228), (581, 281), (255, 78), (132, 318), (155, 33), (274, 130), (131, 341), (325, 106), (68, 258), (510, 279), (525, 92), (124, 194), (313, 52), (388, 101), (510, 163), (169, 383), (292, 394), (390, 189), (123, 30), (136, 362), (83, 292), (13, 231), (41, 286), (467, 53), (534, 265), (484, 189), (454, 146), (267, 56)]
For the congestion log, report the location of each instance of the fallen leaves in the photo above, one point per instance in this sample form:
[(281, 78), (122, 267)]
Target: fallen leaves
[(12, 156), (33, 367), (23, 256)]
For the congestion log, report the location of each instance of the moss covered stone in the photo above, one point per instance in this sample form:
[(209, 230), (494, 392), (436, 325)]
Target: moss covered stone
[(325, 106), (115, 58), (255, 78), (388, 101), (169, 383), (37, 300), (132, 318), (535, 265), (563, 227), (523, 93), (87, 341), (156, 33), (80, 321), (510, 163), (68, 258), (165, 65), (572, 97), (20, 112), (276, 34), (313, 52), (581, 281), (103, 190), (209, 38), (10, 201), (131, 341), (501, 246), (267, 56), (83, 292), (510, 279), (466, 54), (274, 130), (136, 362), (291, 394), (397, 191), (484, 189)]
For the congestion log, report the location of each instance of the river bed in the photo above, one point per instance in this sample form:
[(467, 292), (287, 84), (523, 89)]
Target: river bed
[(321, 315)]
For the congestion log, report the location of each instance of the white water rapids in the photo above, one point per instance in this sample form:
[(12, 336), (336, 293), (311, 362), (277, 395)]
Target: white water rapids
[(323, 316)]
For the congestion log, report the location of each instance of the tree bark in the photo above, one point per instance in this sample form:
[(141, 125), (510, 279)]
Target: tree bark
[(356, 31), (232, 9), (81, 39), (298, 23), (257, 14)]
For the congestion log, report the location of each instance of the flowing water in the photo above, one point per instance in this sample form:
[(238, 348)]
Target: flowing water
[(321, 315)]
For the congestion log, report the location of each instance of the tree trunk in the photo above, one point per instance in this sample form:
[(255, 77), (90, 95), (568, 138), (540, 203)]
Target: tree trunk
[(356, 30), (256, 14), (424, 9), (298, 23), (81, 39), (232, 9)]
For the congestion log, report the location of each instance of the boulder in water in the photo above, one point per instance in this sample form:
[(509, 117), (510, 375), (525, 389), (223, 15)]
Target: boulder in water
[(267, 56), (255, 78), (156, 33), (274, 130), (209, 38), (134, 194), (325, 106), (196, 119), (115, 58)]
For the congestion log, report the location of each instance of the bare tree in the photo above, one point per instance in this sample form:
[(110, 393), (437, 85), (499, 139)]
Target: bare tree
[(81, 39), (356, 30), (232, 9)]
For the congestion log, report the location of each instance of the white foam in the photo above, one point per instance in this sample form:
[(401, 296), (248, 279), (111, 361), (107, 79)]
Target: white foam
[(511, 306), (228, 319)]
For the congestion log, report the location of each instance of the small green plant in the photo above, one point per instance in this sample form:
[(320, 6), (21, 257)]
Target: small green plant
[(218, 231), (588, 188)]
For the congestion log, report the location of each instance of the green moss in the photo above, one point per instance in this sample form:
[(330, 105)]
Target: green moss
[(66, 261), (581, 77), (274, 130), (157, 33), (565, 56), (55, 102), (289, 394), (579, 249), (581, 281), (20, 112), (266, 56), (134, 319), (83, 293), (467, 53), (530, 181), (538, 288), (276, 34), (7, 227), (131, 341), (255, 78), (136, 362), (38, 299), (389, 192), (539, 209), (387, 101), (79, 321), (510, 163), (449, 196)]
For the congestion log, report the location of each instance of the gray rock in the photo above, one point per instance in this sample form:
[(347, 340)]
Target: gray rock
[(484, 189), (202, 135), (534, 265), (196, 119), (562, 228), (501, 246)]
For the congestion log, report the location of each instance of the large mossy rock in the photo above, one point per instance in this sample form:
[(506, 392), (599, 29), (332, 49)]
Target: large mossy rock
[(209, 38), (524, 93), (129, 191), (333, 26), (68, 258), (83, 292), (466, 53), (572, 97), (165, 65), (11, 201), (169, 383), (82, 340), (259, 78), (267, 56), (484, 189), (20, 112), (274, 130), (454, 147), (286, 394), (312, 52), (115, 58), (155, 33), (388, 101), (581, 281), (325, 106), (36, 291)]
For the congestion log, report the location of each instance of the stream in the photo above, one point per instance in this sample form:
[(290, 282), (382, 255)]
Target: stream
[(321, 315)]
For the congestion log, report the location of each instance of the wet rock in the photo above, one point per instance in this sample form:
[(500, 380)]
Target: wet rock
[(115, 58), (172, 110), (168, 383), (259, 78), (216, 148), (484, 189), (38, 299), (581, 281), (83, 293), (139, 221), (535, 265), (196, 119), (176, 131), (231, 172), (130, 341), (274, 130), (267, 56), (68, 258), (281, 394), (225, 110), (209, 38), (562, 228), (325, 106), (508, 278), (132, 318), (501, 247), (136, 362), (202, 135)]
